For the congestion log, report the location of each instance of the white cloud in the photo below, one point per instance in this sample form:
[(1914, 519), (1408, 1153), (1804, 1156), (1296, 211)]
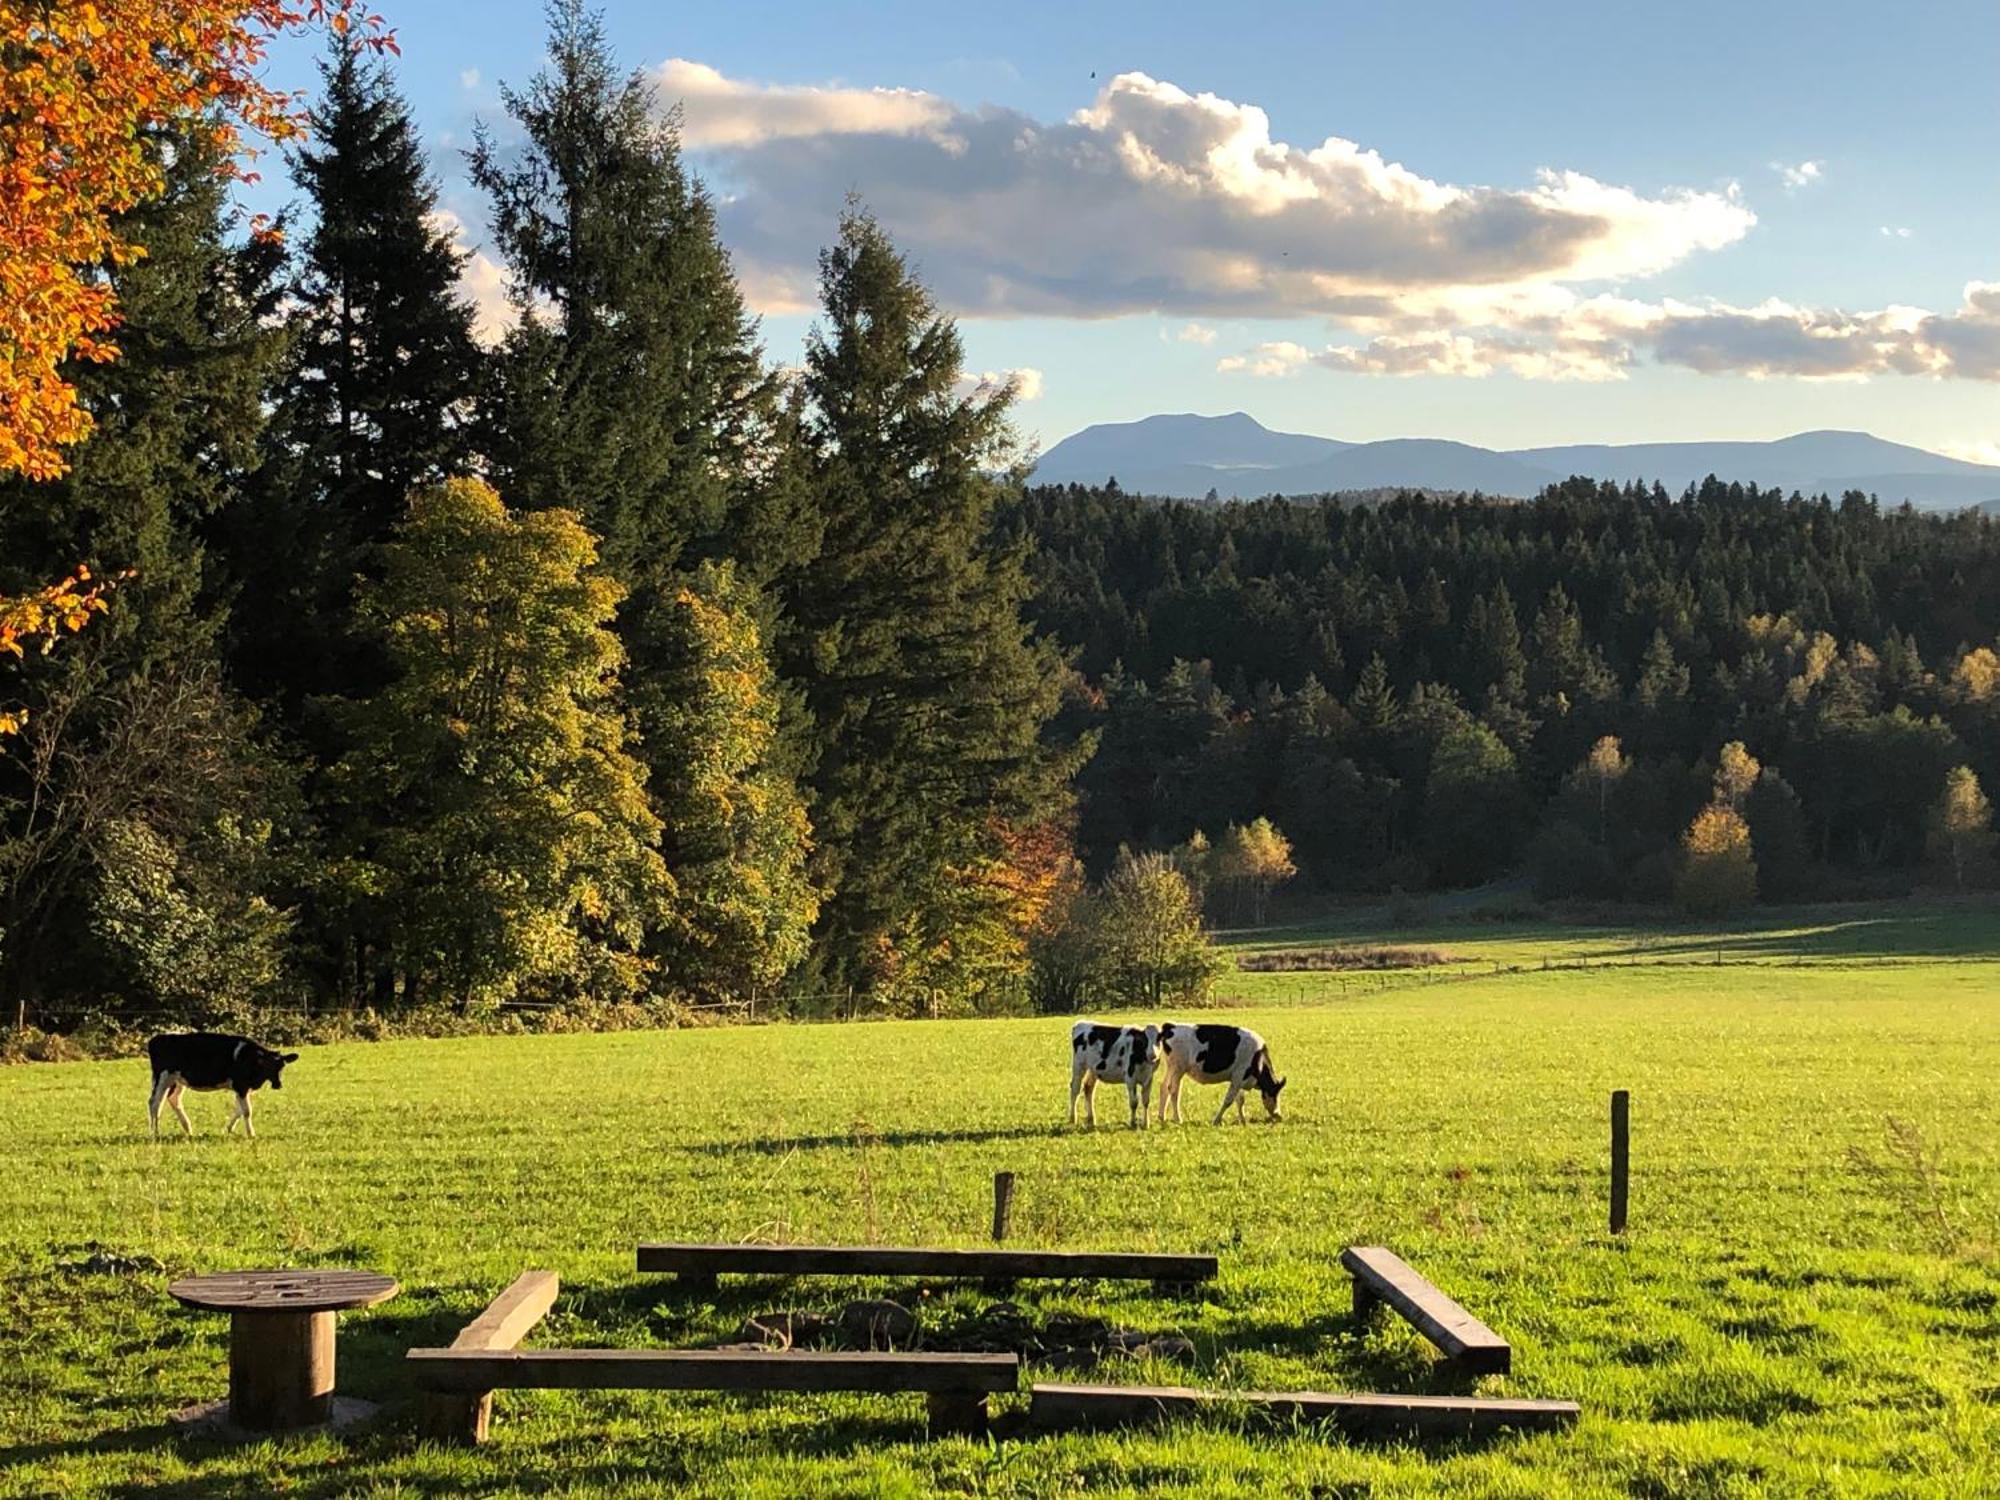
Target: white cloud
[(1266, 360), (719, 112), (1975, 450), (1154, 199), (469, 78), (483, 282), (1896, 231), (1562, 337), (1026, 380), (1799, 174), (1195, 333)]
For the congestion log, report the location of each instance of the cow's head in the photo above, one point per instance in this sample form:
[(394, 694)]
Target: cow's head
[(1269, 1085), (269, 1067), (1152, 1043)]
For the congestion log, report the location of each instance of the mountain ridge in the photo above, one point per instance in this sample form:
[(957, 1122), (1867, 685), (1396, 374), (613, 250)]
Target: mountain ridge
[(1184, 455)]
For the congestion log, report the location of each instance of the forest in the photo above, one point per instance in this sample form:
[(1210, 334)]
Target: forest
[(623, 663)]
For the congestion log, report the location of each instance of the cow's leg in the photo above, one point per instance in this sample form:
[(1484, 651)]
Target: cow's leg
[(1075, 1085), (1174, 1082), (1166, 1087), (1090, 1099), (1134, 1119), (1145, 1101), (243, 1104), (1234, 1096), (174, 1103), (153, 1105)]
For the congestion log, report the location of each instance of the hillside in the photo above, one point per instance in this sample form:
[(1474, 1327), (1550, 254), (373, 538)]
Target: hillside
[(1185, 456)]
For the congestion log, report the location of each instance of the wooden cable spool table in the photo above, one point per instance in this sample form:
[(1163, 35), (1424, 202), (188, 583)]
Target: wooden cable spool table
[(281, 1338)]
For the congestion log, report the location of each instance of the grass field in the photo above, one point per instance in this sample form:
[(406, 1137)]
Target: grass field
[(1780, 1321)]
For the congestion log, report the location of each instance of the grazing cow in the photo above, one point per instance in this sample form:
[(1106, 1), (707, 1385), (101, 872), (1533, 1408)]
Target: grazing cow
[(1233, 1055), (1116, 1054), (208, 1060)]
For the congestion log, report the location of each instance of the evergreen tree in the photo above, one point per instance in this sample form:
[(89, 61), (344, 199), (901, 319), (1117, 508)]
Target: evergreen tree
[(374, 398), (1472, 806), (631, 387), (926, 695)]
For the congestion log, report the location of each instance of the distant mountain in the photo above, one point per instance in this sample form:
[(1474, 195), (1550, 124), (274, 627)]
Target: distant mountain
[(1186, 456)]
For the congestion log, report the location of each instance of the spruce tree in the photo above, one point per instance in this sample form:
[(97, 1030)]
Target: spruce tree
[(632, 386), (927, 696), (376, 392)]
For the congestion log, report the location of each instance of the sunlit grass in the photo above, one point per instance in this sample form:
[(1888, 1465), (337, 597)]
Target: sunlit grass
[(1778, 1323)]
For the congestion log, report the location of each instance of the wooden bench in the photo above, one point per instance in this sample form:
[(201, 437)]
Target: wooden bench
[(1053, 1407), (698, 1265), (1468, 1345), (464, 1414), (956, 1384)]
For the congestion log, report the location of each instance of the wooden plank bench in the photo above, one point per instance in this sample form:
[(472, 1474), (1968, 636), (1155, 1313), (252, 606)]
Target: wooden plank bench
[(699, 1265), (1467, 1344), (1053, 1407), (956, 1384), (465, 1414)]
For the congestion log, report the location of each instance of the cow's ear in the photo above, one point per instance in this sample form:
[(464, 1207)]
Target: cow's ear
[(290, 1057), (1279, 1085)]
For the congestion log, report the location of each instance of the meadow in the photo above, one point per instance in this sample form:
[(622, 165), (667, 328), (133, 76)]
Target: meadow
[(1808, 1302)]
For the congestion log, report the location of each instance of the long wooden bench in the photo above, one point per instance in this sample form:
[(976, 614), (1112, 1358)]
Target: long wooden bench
[(699, 1265), (1053, 1407), (956, 1384), (1467, 1344)]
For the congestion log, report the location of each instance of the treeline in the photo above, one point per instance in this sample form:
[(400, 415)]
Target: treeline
[(1431, 693), (613, 664)]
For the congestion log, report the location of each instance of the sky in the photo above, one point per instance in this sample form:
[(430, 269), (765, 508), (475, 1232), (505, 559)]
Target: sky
[(1506, 223)]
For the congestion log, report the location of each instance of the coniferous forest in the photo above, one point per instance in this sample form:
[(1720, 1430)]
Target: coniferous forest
[(628, 662)]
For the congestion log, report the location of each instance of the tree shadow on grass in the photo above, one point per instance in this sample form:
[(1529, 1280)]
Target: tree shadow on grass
[(778, 1145)]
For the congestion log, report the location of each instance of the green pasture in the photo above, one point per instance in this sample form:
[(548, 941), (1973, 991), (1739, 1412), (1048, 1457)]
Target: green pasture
[(1808, 1302)]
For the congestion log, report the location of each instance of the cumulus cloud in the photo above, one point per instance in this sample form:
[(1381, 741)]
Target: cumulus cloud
[(725, 113), (1603, 337), (483, 282), (1195, 333), (1026, 380), (1796, 175), (469, 78), (1266, 360), (1152, 199), (1896, 231)]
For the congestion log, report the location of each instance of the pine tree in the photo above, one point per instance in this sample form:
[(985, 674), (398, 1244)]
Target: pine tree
[(632, 387), (926, 696), (375, 396)]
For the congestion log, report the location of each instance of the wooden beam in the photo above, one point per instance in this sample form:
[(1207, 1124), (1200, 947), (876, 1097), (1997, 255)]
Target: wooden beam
[(467, 1416), (1466, 1342), (708, 1370), (1059, 1406), (900, 1260)]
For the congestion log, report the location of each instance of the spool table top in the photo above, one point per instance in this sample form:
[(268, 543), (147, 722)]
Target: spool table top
[(283, 1291)]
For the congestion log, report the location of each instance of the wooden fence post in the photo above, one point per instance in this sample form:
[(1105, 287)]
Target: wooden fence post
[(1003, 1203), (1621, 1156)]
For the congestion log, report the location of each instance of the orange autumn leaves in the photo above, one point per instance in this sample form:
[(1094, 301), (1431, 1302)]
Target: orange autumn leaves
[(81, 87), (43, 617)]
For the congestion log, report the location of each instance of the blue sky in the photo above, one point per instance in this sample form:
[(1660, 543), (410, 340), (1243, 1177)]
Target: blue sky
[(1505, 223)]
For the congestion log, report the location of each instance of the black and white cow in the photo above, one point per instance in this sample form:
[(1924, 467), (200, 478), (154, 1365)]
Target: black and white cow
[(1116, 1054), (208, 1060), (1234, 1055)]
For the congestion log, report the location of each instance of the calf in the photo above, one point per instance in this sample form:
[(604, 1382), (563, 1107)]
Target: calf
[(1117, 1054), (1233, 1055), (208, 1060)]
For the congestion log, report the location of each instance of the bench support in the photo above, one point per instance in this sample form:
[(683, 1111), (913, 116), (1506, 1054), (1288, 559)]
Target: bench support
[(959, 1413), (467, 1416)]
